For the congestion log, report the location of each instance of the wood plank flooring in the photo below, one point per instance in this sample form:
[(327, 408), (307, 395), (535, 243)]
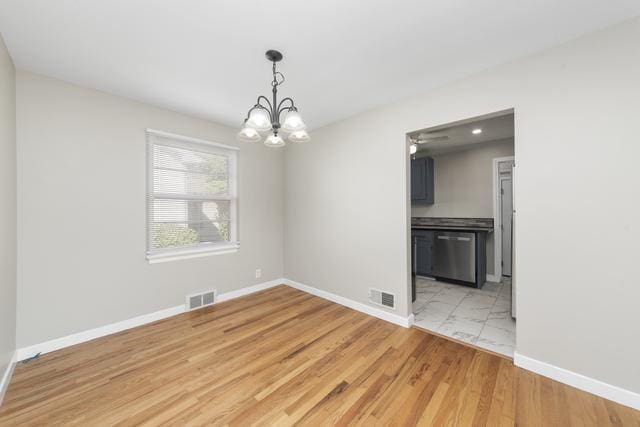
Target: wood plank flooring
[(284, 357)]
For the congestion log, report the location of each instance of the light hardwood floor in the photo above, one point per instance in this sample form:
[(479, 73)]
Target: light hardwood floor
[(283, 357)]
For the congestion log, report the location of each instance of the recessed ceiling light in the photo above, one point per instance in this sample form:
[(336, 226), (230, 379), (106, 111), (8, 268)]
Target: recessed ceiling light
[(476, 131)]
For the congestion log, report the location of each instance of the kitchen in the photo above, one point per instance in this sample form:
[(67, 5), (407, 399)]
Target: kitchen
[(462, 219)]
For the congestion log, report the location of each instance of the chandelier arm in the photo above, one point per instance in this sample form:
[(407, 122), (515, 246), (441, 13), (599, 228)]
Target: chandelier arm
[(265, 99), (281, 109), (268, 107), (293, 105)]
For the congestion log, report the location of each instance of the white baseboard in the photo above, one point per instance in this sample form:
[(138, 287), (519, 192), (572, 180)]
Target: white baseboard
[(492, 278), (249, 290), (599, 388), (101, 331), (80, 337), (6, 376), (367, 309), (411, 320)]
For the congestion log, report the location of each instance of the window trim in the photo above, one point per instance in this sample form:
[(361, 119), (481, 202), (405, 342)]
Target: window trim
[(203, 249)]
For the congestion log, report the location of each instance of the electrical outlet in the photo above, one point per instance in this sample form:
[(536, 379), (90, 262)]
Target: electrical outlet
[(258, 273)]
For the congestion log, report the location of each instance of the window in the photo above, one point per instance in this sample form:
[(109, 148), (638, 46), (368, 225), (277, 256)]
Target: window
[(191, 197)]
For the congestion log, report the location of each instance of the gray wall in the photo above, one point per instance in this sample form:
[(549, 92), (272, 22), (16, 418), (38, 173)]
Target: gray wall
[(464, 185), (576, 194), (81, 210), (7, 208)]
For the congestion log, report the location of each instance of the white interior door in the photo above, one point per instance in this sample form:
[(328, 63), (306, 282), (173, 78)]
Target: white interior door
[(514, 219), (506, 190)]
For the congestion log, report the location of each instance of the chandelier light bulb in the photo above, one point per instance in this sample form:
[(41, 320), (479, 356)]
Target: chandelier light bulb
[(299, 136), (259, 120), (248, 134), (293, 122), (274, 141), (413, 148)]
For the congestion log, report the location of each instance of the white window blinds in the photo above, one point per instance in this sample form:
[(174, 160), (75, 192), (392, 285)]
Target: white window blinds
[(191, 196)]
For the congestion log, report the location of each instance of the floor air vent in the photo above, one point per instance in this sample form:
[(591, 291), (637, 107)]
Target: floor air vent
[(204, 299), (382, 298)]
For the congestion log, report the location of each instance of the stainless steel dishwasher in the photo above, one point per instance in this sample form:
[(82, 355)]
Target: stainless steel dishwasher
[(455, 255)]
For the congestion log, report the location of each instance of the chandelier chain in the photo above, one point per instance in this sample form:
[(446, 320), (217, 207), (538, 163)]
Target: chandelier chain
[(275, 81)]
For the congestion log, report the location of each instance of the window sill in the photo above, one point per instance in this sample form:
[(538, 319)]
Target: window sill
[(180, 254)]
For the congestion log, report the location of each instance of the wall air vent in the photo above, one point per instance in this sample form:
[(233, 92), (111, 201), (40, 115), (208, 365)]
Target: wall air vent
[(195, 301), (384, 299)]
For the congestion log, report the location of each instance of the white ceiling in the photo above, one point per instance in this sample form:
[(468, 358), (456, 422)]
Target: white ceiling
[(205, 57), (460, 135)]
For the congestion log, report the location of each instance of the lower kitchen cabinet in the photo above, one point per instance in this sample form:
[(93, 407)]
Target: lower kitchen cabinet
[(424, 252)]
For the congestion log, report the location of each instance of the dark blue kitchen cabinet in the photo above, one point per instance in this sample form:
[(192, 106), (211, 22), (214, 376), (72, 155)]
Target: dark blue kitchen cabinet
[(422, 180), (423, 252)]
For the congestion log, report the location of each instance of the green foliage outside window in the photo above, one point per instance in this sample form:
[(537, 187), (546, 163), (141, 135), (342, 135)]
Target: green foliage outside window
[(171, 235)]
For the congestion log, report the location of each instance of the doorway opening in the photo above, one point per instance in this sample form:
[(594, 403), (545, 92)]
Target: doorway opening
[(462, 234)]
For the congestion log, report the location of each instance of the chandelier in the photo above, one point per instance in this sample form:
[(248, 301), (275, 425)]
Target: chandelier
[(265, 115)]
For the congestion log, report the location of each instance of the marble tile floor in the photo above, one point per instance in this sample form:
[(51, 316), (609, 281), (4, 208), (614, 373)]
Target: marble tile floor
[(481, 317)]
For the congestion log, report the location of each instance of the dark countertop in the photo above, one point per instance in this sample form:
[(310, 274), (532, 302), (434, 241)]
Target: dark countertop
[(455, 224), (451, 228)]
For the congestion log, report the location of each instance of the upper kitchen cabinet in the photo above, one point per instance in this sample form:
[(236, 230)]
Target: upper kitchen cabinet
[(422, 180)]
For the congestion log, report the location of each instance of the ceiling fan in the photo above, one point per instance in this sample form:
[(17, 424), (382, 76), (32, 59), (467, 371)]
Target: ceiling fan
[(424, 138)]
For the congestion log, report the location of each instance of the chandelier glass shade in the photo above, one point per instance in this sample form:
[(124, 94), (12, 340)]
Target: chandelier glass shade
[(274, 141), (293, 122), (249, 134), (259, 120), (299, 136), (266, 115)]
